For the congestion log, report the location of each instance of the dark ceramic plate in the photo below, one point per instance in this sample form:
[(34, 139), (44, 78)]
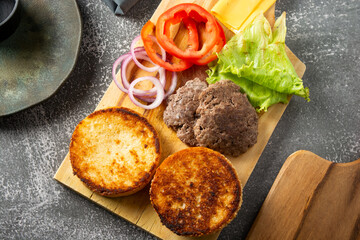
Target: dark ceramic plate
[(40, 55)]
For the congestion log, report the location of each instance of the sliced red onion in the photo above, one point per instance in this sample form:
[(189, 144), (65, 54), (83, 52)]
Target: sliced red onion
[(138, 49), (171, 90), (159, 92), (162, 76), (148, 69), (125, 82), (145, 95), (173, 85), (146, 99), (115, 65)]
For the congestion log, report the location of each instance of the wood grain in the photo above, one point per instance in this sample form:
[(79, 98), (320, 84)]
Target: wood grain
[(311, 198), (137, 208)]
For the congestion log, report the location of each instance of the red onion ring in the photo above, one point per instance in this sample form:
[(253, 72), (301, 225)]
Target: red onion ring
[(173, 85), (115, 65), (125, 82), (125, 59), (169, 92), (141, 94), (148, 69), (159, 92), (145, 95)]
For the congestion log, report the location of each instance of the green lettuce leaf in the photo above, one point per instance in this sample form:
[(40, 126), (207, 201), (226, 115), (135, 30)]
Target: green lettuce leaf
[(256, 60)]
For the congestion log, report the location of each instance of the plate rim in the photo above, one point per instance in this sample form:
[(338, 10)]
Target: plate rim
[(66, 75)]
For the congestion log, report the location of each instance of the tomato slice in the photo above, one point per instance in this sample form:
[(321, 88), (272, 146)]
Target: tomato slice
[(177, 65), (212, 55), (184, 12)]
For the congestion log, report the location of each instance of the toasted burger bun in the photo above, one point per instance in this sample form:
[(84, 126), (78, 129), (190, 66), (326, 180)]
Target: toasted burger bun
[(196, 191), (115, 152)]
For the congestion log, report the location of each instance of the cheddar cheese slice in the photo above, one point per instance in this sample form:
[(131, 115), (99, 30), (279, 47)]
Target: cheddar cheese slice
[(237, 14)]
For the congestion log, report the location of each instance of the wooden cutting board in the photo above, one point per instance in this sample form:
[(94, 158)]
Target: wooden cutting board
[(311, 198), (137, 208)]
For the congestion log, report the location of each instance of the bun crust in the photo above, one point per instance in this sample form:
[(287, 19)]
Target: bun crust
[(196, 191), (115, 152)]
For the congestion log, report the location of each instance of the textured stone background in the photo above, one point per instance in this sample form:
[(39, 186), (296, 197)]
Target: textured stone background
[(325, 35)]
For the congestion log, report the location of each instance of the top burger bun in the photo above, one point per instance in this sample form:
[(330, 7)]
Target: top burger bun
[(115, 152)]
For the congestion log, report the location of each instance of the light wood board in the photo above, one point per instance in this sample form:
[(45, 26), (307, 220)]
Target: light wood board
[(311, 198), (137, 208)]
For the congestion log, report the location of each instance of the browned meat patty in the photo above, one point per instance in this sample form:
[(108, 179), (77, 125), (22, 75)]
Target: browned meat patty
[(219, 117), (180, 112), (227, 123)]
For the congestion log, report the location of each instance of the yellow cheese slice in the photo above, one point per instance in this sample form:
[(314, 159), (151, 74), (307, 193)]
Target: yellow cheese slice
[(234, 12), (261, 8), (237, 14)]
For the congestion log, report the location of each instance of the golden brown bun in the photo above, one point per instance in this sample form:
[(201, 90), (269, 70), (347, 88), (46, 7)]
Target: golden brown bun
[(196, 191), (115, 152)]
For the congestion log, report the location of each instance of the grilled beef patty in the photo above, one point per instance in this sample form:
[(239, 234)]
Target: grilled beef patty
[(219, 116)]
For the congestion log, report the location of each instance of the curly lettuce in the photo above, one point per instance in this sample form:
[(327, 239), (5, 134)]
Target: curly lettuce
[(256, 60)]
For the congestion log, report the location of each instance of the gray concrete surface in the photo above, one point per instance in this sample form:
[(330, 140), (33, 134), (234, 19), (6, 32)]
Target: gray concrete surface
[(325, 35)]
